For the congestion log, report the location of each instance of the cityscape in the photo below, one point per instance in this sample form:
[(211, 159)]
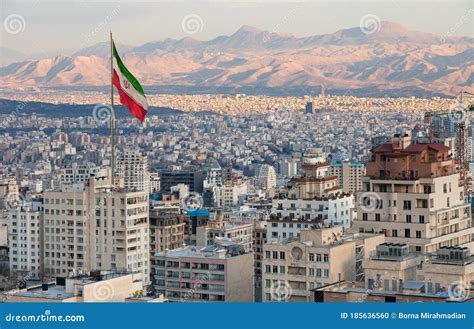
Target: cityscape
[(221, 180)]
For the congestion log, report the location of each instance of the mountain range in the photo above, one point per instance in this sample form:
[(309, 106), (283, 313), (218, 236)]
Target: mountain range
[(394, 61)]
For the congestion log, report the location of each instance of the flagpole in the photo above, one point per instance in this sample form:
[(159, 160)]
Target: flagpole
[(112, 112)]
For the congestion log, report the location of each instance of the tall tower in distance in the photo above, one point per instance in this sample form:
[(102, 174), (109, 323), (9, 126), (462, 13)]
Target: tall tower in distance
[(132, 167)]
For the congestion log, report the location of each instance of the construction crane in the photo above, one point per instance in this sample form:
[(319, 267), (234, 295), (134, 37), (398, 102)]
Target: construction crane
[(461, 116)]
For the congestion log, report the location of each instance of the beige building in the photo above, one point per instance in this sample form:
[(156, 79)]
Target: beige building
[(292, 267), (413, 195), (97, 287), (393, 274), (349, 175), (90, 226), (451, 269), (212, 274), (166, 229)]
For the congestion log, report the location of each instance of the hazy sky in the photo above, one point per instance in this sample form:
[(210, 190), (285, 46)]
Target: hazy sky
[(49, 26)]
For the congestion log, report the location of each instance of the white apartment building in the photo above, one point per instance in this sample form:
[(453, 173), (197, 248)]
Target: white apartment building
[(349, 175), (230, 194), (132, 166), (412, 193), (314, 199), (81, 173), (25, 238), (266, 177), (90, 226)]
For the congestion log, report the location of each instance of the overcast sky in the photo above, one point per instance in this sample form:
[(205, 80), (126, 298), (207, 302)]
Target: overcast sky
[(49, 26)]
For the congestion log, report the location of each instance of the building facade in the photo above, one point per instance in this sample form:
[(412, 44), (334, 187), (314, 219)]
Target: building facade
[(413, 194), (293, 267), (90, 226)]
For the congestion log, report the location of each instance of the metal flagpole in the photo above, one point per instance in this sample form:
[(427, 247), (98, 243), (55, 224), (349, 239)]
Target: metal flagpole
[(112, 112)]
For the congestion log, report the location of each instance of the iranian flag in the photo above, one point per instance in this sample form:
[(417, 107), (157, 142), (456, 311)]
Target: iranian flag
[(130, 90)]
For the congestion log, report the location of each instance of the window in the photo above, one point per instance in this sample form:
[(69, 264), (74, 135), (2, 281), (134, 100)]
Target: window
[(311, 257), (326, 258), (406, 205), (377, 217), (364, 216), (282, 255), (418, 234), (421, 219), (407, 233), (408, 218), (394, 233)]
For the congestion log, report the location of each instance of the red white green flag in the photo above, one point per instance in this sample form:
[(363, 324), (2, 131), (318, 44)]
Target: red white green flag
[(130, 90)]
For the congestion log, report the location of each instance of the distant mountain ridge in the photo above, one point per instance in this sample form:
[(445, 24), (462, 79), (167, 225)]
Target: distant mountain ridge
[(392, 60)]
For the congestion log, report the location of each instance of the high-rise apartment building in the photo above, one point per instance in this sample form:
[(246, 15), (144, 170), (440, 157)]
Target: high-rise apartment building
[(25, 237), (166, 229), (132, 167), (266, 177), (412, 193), (90, 226), (349, 175)]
